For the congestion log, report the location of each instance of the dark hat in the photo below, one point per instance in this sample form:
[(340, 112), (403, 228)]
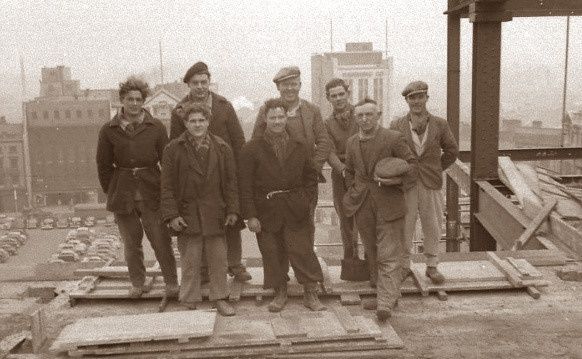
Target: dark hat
[(390, 167), (414, 88), (285, 73), (198, 68)]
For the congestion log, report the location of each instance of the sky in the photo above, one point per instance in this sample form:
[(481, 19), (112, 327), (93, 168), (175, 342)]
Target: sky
[(246, 42)]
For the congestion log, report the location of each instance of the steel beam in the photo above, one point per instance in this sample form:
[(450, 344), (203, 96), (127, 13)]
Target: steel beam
[(521, 8), (453, 109), (534, 154), (484, 120)]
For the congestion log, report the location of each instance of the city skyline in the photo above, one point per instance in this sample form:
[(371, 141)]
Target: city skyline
[(245, 44)]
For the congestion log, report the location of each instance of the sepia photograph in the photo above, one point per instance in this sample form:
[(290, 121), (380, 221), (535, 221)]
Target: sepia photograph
[(290, 179)]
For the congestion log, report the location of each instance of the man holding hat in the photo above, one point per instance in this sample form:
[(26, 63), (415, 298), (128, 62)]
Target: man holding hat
[(224, 123), (376, 200), (304, 123), (432, 142)]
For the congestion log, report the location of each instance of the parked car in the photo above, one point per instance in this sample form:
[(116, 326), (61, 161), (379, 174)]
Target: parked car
[(89, 222), (68, 255), (48, 223), (31, 223), (10, 249), (62, 223), (76, 222)]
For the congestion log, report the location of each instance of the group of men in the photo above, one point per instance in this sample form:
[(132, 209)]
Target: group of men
[(204, 182)]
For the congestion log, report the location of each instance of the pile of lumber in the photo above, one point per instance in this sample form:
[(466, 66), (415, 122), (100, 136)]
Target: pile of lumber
[(536, 187)]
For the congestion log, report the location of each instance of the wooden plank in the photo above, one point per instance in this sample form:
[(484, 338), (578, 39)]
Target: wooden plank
[(135, 328), (515, 181), (442, 295), (521, 267), (533, 292), (346, 320), (534, 225), (536, 257), (511, 274), (38, 329), (287, 327), (10, 342), (466, 271), (350, 299), (566, 234), (114, 272), (420, 280)]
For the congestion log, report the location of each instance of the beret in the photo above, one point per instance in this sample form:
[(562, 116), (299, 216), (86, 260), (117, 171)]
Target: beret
[(414, 88), (198, 68), (391, 167), (285, 73)]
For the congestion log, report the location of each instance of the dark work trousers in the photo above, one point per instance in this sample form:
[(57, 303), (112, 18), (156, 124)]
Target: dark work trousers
[(131, 228), (191, 249), (284, 246), (347, 227), (233, 252), (383, 244)]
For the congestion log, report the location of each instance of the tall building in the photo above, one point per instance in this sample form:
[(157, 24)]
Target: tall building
[(12, 174), (367, 72), (61, 130)]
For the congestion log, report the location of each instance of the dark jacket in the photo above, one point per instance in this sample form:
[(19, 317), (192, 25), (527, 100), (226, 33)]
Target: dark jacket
[(118, 152), (315, 138), (338, 137), (224, 122), (440, 150), (388, 200), (203, 199), (261, 172)]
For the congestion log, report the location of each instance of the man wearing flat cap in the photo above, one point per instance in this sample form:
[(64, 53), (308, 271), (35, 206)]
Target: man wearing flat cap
[(224, 123), (375, 199), (432, 142), (304, 123)]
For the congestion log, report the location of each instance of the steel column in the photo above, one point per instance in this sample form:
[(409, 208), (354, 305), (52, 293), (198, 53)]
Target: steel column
[(484, 120), (453, 94)]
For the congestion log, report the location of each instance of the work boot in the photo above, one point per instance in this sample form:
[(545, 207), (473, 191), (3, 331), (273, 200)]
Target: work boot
[(372, 304), (435, 276), (280, 299), (243, 276), (172, 290), (383, 314), (310, 299), (224, 308), (189, 305), (135, 292)]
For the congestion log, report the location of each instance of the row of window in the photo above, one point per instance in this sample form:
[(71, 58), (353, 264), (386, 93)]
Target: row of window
[(378, 89), (11, 149), (12, 179), (13, 162), (68, 113)]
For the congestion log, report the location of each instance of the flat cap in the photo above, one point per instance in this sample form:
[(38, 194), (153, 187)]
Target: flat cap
[(414, 88), (390, 167), (285, 73), (198, 68)]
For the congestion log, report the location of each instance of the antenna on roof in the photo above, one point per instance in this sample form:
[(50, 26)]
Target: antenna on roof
[(161, 63), (331, 34), (22, 79), (386, 37)]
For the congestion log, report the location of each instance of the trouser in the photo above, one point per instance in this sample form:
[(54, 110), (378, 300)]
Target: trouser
[(191, 249), (234, 250), (131, 228), (288, 245), (383, 244), (425, 203), (347, 227)]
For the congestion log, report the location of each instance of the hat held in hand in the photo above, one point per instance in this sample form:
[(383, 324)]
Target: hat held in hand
[(390, 167)]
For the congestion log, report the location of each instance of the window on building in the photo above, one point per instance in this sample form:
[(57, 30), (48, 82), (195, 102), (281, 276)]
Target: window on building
[(79, 114), (89, 113), (379, 91), (362, 89), (45, 115), (68, 113), (12, 149)]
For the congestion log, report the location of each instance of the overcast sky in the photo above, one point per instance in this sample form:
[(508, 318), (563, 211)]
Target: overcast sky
[(245, 42)]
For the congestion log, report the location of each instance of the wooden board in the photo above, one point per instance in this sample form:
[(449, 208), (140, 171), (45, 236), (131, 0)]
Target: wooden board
[(288, 327), (252, 336), (136, 328)]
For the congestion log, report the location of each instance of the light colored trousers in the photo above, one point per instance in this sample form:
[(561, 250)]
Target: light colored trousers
[(191, 248), (426, 204)]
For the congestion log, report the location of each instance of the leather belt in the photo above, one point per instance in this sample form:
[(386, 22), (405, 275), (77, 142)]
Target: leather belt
[(134, 170)]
